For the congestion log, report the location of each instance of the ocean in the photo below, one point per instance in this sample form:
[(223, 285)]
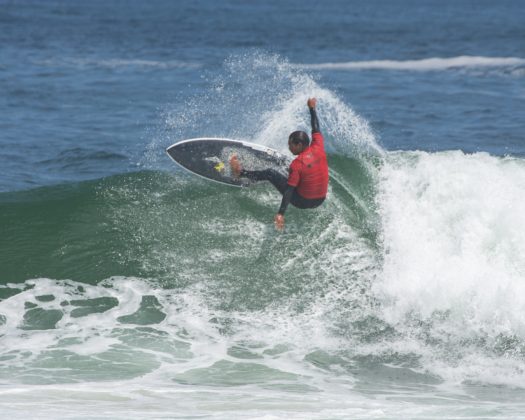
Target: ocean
[(130, 289)]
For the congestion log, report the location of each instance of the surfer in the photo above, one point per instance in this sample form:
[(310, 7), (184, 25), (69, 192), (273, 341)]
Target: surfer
[(307, 182)]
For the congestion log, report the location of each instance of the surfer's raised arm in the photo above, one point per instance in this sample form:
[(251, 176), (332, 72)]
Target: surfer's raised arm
[(312, 102)]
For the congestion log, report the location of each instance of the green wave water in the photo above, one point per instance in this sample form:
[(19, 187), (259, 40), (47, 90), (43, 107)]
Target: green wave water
[(164, 226)]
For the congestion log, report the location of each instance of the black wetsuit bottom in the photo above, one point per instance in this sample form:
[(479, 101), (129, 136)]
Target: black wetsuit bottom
[(280, 182)]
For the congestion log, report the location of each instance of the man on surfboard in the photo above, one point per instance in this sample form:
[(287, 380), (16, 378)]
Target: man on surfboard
[(307, 182)]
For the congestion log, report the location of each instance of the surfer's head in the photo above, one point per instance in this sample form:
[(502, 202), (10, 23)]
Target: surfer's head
[(298, 141)]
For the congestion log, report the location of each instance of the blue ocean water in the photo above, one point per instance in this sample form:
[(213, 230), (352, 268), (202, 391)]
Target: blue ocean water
[(129, 289), (84, 84)]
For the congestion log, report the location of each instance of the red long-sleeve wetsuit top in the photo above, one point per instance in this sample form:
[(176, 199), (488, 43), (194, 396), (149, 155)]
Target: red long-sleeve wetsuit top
[(308, 176), (309, 170)]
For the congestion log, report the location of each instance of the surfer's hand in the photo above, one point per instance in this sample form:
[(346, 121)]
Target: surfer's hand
[(279, 221), (312, 102)]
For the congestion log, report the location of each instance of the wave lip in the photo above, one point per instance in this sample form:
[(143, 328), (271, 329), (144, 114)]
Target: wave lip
[(426, 64)]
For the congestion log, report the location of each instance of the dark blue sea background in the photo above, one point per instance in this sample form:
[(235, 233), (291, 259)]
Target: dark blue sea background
[(84, 83)]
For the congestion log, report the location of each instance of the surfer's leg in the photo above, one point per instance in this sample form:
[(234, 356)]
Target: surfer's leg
[(277, 179)]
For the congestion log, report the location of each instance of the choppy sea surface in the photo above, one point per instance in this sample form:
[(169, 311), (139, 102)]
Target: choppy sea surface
[(130, 289)]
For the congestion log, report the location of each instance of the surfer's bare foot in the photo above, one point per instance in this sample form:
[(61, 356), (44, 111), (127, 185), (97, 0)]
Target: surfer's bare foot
[(235, 166)]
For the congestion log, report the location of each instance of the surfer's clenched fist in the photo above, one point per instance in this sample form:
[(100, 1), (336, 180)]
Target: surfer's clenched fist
[(312, 102)]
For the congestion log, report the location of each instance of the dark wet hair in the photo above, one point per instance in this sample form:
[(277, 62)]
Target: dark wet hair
[(299, 137)]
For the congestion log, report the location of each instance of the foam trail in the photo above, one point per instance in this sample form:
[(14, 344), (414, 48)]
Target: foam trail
[(427, 64), (118, 63)]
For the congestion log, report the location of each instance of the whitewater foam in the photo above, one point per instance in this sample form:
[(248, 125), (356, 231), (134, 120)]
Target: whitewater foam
[(453, 229), (453, 223)]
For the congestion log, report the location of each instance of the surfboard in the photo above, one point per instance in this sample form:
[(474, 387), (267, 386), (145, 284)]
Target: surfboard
[(209, 157)]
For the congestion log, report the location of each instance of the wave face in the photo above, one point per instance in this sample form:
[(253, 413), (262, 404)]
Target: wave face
[(414, 279), (407, 280)]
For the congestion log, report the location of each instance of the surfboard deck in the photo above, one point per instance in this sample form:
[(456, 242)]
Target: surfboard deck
[(209, 157)]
